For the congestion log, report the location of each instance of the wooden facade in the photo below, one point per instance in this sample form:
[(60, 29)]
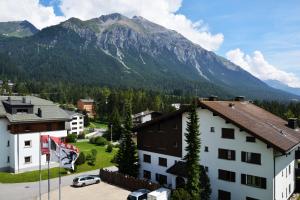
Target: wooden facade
[(164, 137), (36, 127)]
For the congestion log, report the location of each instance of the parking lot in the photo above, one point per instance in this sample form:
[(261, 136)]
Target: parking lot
[(101, 191)]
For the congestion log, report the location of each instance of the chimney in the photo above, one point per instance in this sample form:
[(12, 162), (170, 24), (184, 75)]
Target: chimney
[(213, 98), (231, 105), (239, 98), (8, 98), (23, 100), (39, 112), (292, 123)]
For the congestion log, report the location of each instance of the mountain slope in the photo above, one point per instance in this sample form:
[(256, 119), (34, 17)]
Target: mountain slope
[(118, 51), (17, 29), (281, 86)]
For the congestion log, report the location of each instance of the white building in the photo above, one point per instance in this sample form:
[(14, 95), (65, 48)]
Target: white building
[(76, 125), (22, 121), (248, 153), (145, 116)]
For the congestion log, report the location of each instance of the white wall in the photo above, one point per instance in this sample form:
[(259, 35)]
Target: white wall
[(4, 149), (210, 159), (78, 125), (146, 118), (154, 167)]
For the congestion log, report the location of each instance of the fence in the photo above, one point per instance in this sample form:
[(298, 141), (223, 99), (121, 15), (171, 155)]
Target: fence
[(127, 182)]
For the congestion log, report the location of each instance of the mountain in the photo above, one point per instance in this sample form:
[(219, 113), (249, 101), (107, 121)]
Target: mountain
[(117, 51), (281, 86), (17, 29)]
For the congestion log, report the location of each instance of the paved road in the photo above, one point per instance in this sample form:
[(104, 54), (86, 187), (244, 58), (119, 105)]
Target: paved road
[(30, 191), (101, 191)]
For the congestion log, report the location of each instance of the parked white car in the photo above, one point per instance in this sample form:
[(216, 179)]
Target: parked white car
[(140, 194), (85, 180)]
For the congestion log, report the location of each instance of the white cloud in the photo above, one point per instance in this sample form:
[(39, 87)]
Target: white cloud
[(162, 12), (31, 10), (259, 67)]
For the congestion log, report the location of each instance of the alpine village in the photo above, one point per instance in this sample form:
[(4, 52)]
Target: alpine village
[(122, 106)]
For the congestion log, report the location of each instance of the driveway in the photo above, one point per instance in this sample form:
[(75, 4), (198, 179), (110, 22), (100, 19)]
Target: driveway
[(29, 191), (99, 191)]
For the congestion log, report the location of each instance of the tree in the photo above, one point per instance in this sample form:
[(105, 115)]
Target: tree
[(115, 121), (127, 160), (81, 159), (86, 118), (204, 185), (181, 194), (192, 157)]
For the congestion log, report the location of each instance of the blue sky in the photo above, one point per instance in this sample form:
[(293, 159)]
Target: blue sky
[(269, 26)]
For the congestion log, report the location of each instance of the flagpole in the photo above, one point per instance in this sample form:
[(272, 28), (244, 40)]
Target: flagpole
[(40, 168), (49, 148), (59, 176)]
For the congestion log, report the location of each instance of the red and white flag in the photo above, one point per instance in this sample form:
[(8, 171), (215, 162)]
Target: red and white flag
[(59, 151)]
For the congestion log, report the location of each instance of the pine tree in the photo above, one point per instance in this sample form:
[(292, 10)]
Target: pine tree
[(115, 121), (192, 157), (127, 160)]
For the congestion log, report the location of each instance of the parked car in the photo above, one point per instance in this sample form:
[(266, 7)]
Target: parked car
[(140, 194), (159, 194), (86, 180)]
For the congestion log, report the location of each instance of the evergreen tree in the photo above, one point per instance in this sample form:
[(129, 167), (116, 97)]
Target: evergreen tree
[(204, 185), (127, 160), (115, 121), (192, 157)]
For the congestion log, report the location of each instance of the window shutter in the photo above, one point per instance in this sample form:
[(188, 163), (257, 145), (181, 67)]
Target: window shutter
[(243, 156), (243, 178), (264, 183), (233, 155)]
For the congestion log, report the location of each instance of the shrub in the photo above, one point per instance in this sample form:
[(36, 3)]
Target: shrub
[(81, 136), (94, 152), (109, 148), (81, 159), (71, 138), (100, 141), (180, 194), (91, 157)]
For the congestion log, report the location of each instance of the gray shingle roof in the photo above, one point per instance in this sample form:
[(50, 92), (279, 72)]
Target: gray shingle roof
[(72, 113), (50, 111)]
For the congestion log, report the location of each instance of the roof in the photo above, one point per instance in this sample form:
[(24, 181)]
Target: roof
[(87, 100), (72, 113), (248, 117), (178, 169), (256, 121), (147, 112), (50, 111)]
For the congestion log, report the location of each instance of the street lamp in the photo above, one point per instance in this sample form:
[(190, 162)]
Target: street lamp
[(111, 132)]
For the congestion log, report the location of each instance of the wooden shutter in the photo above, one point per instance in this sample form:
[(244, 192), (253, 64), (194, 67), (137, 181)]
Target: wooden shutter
[(243, 156), (243, 178)]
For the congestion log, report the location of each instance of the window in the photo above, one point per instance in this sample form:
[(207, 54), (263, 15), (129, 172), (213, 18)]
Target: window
[(80, 117), (224, 195), (80, 122), (74, 123), (147, 158), (74, 128), (212, 129), (162, 179), (162, 162), (27, 159), (289, 169), (8, 159), (254, 181), (253, 158), (226, 175), (289, 188), (8, 127), (27, 143), (22, 110), (206, 148), (147, 174), (250, 139), (8, 143), (74, 118), (142, 197), (226, 154), (250, 198), (228, 133)]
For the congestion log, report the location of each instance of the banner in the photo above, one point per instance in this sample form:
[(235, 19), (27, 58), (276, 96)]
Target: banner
[(59, 151)]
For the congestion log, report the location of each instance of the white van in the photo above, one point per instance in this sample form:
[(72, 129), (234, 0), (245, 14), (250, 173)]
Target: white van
[(159, 194)]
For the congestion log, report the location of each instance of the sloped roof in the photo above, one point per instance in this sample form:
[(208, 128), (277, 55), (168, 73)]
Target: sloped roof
[(72, 113), (248, 117), (87, 100), (178, 169), (256, 121), (50, 111)]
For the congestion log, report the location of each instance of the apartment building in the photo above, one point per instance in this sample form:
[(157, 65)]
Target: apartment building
[(88, 105), (76, 125), (22, 120), (248, 153)]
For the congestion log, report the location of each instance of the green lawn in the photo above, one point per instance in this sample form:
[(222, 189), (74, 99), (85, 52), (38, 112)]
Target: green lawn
[(103, 160), (98, 125)]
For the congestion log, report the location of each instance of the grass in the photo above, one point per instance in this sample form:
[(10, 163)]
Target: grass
[(97, 124), (103, 160)]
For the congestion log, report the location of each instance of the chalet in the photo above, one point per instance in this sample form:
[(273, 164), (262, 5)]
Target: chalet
[(247, 152), (144, 116), (22, 120), (88, 105)]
